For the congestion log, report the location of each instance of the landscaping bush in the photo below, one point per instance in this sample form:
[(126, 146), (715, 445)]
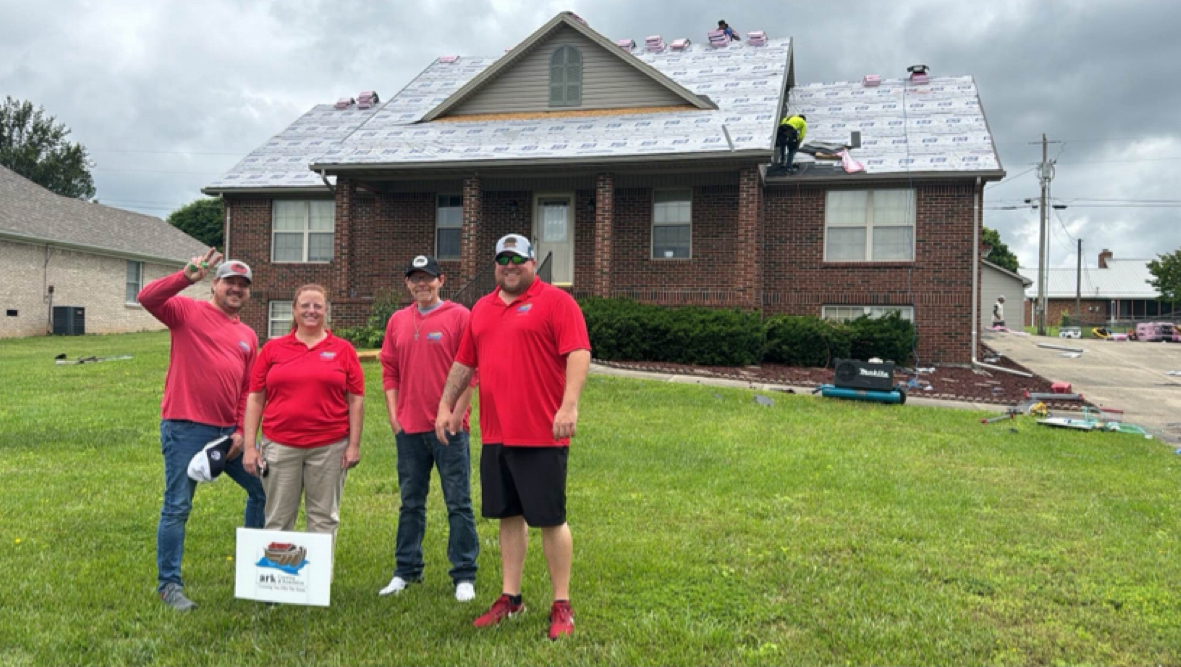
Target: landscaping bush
[(625, 330), (890, 338), (805, 340), (372, 334)]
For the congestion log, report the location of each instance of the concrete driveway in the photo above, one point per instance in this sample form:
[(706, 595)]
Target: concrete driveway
[(1128, 375)]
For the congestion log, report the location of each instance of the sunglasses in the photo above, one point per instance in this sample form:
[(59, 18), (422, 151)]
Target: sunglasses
[(505, 260)]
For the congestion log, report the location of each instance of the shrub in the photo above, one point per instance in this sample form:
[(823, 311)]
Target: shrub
[(372, 334), (624, 330), (891, 338), (806, 340)]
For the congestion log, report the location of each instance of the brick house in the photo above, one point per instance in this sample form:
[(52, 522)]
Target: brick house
[(58, 251), (640, 171), (1117, 291)]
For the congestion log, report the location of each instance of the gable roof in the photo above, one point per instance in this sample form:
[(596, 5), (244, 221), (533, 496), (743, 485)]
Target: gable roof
[(31, 214), (556, 24), (1122, 279), (1025, 282)]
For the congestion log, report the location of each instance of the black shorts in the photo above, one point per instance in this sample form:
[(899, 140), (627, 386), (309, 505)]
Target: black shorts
[(524, 481)]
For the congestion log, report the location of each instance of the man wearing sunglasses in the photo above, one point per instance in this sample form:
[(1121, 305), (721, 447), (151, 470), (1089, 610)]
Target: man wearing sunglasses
[(529, 341)]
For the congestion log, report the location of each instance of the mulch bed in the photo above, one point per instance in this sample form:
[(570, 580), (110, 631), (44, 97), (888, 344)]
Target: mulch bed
[(955, 383)]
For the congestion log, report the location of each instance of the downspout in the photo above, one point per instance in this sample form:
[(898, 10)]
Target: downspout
[(976, 287), (225, 226), (324, 178)]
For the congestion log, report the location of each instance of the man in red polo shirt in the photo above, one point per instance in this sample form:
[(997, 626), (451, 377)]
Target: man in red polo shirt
[(529, 342)]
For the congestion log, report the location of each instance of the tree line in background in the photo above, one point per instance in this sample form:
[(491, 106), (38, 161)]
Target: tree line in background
[(37, 147)]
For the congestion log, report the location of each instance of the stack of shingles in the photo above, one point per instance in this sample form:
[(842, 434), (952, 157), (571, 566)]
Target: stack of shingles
[(654, 44), (757, 38), (344, 103), (367, 99), (718, 39)]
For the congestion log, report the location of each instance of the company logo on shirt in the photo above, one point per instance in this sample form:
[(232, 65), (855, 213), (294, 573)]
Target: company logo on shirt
[(327, 355), (523, 310), (435, 336), (242, 344)]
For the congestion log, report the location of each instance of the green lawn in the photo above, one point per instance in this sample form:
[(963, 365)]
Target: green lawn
[(708, 530)]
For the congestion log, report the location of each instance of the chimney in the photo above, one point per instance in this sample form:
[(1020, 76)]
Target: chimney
[(1103, 257)]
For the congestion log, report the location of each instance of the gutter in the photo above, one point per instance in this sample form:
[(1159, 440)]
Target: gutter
[(93, 250), (976, 287), (571, 161)]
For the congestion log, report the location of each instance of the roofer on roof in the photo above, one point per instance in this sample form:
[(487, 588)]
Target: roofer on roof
[(790, 135)]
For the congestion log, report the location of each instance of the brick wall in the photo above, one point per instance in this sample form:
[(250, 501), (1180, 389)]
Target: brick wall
[(94, 282), (1093, 311), (798, 281), (750, 246)]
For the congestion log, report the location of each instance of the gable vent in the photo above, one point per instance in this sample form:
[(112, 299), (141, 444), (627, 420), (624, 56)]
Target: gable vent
[(654, 44), (756, 38)]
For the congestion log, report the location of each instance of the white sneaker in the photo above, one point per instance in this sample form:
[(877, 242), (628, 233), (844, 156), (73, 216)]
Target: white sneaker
[(396, 585), (465, 591)]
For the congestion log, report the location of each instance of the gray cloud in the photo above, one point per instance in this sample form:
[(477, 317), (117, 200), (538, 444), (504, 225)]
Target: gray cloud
[(167, 95)]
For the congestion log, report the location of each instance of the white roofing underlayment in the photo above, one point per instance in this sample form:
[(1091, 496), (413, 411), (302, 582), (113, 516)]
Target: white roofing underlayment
[(1122, 279), (933, 127)]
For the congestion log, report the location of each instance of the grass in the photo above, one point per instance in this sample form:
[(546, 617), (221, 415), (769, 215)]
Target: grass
[(708, 530)]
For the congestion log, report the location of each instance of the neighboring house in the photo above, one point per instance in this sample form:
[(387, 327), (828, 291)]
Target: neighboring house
[(1118, 290), (996, 281), (641, 172), (59, 251)]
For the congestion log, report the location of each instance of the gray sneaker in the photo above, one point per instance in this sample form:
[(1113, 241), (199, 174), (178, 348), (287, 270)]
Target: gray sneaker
[(174, 596)]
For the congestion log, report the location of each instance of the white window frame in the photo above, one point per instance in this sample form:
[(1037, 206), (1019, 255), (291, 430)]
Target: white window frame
[(284, 320), (848, 313), (869, 226), (568, 69), (439, 226), (307, 231), (132, 298), (688, 192)]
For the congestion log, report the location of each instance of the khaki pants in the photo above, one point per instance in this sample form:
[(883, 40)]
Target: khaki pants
[(311, 472)]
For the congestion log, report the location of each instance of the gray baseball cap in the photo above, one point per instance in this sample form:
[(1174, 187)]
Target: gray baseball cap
[(515, 244), (234, 268)]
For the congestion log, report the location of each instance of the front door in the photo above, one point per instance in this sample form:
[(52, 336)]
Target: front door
[(553, 229)]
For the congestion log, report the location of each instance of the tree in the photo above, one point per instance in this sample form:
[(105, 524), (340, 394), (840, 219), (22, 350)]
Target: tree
[(202, 220), (35, 146), (1166, 277), (1000, 255)]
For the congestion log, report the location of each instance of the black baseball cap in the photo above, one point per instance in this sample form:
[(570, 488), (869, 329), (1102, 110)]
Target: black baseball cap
[(426, 264)]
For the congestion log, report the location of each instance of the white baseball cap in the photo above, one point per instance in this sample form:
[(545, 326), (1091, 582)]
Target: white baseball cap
[(515, 244)]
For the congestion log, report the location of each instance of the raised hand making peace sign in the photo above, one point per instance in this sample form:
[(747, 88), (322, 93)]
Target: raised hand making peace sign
[(198, 267)]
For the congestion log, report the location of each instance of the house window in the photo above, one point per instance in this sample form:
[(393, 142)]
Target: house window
[(302, 231), (869, 226), (672, 224), (565, 77), (135, 282), (849, 313), (448, 224), (279, 319)]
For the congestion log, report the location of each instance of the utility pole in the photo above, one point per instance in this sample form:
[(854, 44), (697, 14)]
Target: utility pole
[(1078, 285), (1045, 174)]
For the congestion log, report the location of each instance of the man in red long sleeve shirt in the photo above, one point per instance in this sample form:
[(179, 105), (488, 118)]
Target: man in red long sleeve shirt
[(204, 398), (416, 355)]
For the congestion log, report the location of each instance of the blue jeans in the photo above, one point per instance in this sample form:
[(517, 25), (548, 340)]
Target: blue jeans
[(417, 453), (179, 442)]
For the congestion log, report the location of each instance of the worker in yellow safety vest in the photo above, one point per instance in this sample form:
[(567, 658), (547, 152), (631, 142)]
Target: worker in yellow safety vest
[(790, 135)]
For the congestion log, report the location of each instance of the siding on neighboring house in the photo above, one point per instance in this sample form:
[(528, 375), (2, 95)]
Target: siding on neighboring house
[(607, 83), (994, 283), (94, 282)]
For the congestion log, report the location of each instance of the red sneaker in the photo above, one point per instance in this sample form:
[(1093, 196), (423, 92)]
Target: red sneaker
[(561, 620), (501, 609)]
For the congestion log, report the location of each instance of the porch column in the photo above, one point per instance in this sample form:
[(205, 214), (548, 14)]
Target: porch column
[(346, 195), (472, 256), (604, 234), (750, 236)]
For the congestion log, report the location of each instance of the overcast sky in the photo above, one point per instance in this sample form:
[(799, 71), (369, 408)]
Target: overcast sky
[(167, 95)]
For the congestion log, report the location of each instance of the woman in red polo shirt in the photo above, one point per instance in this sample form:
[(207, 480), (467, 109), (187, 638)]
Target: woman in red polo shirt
[(306, 388)]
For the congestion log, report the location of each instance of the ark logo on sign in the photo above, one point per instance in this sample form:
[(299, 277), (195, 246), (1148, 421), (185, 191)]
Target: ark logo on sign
[(284, 556)]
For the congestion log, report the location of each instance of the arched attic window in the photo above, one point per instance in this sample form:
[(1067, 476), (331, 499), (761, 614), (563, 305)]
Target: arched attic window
[(565, 77)]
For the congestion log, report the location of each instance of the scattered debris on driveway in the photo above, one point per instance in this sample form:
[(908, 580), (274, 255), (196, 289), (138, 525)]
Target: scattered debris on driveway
[(1063, 348)]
